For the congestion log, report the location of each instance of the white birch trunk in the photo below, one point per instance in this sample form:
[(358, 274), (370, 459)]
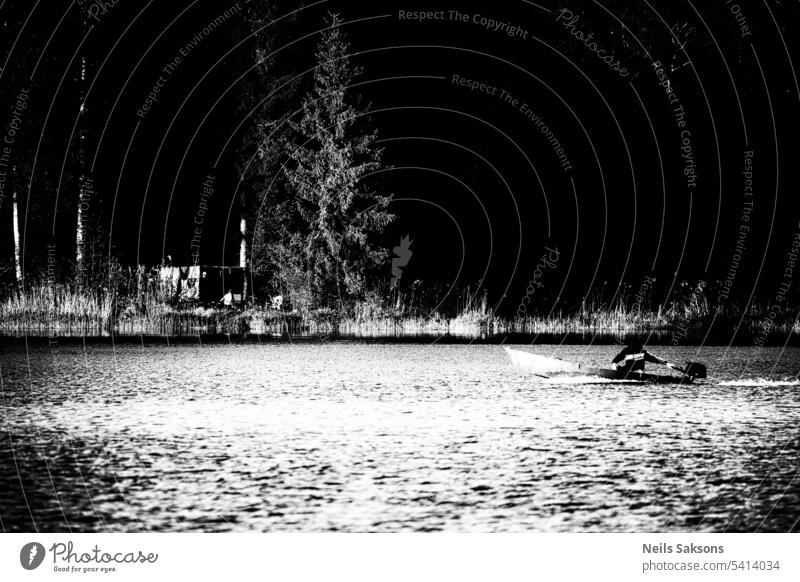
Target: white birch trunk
[(17, 257), (80, 231), (243, 256), (79, 235)]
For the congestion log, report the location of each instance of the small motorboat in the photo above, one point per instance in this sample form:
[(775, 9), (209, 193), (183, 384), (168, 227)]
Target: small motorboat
[(547, 367)]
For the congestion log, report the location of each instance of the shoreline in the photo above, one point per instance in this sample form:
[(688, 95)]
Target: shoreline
[(665, 338), (59, 312)]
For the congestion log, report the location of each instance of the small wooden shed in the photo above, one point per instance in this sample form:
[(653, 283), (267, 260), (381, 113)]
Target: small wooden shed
[(202, 283)]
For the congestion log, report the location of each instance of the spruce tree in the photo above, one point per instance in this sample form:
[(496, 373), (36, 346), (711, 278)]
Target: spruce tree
[(270, 94), (339, 215)]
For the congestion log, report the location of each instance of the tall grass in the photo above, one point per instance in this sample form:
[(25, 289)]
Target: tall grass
[(56, 306), (133, 302)]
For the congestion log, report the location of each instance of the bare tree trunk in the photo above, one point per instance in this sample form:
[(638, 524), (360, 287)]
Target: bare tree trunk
[(79, 237), (83, 203), (243, 256), (17, 257)]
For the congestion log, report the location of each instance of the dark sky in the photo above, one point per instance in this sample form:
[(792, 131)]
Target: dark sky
[(646, 182)]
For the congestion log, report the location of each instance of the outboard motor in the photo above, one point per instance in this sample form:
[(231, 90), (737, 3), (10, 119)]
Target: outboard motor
[(695, 370)]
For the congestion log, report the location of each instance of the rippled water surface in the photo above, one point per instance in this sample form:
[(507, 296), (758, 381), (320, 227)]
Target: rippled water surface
[(382, 437)]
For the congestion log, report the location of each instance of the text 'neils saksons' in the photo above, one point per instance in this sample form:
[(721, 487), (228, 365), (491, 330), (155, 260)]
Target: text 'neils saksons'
[(663, 548)]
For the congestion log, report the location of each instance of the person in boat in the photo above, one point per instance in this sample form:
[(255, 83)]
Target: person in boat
[(633, 357)]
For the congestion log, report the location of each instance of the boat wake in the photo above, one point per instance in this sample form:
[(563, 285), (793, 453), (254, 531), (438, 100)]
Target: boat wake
[(760, 382), (577, 380)]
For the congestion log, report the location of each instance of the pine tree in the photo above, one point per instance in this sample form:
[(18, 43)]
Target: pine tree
[(331, 162), (270, 94)]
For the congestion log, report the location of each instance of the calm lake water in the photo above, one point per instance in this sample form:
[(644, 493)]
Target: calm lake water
[(386, 437)]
